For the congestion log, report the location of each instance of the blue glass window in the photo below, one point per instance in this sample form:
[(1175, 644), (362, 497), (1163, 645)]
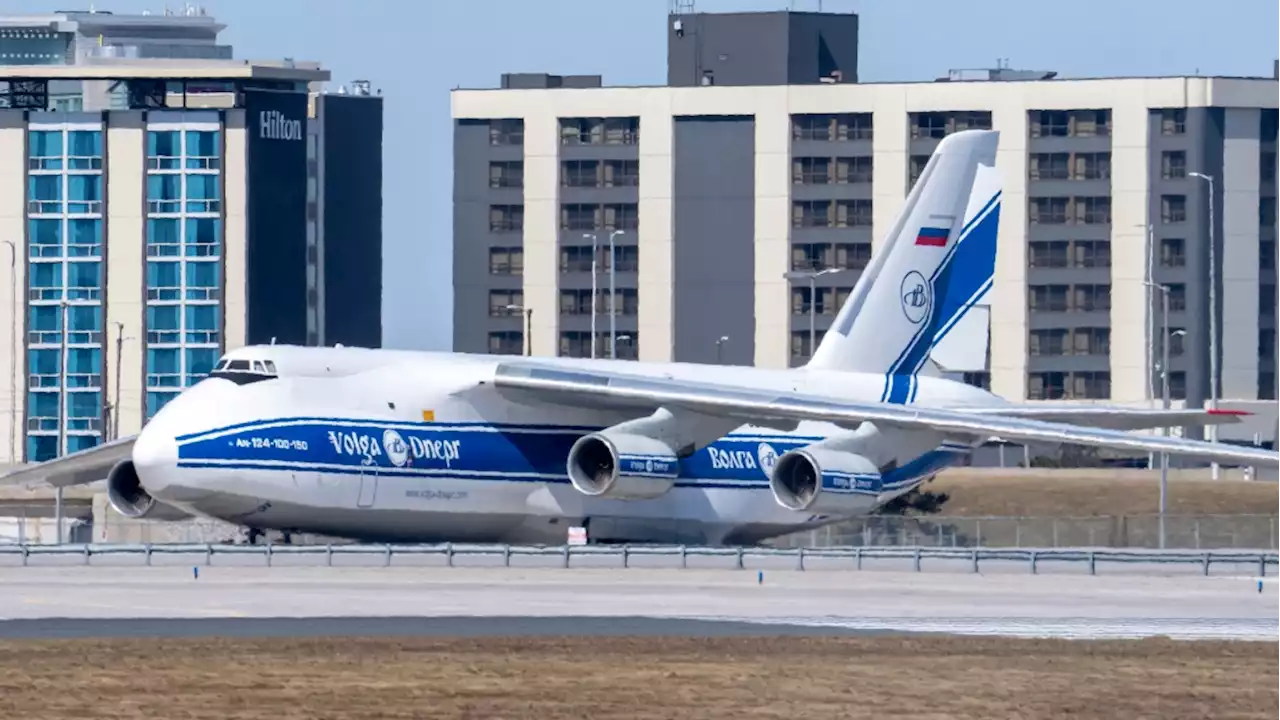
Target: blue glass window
[(85, 319), (42, 447), (84, 193), (84, 280), (163, 281), (43, 369), (162, 150), (163, 239), (85, 143), (162, 324), (84, 405), (84, 237), (45, 143), (164, 193), (76, 443), (46, 281), (200, 362), (162, 367), (157, 400), (202, 150), (45, 193), (45, 238), (84, 367), (45, 321), (202, 281), (203, 236), (202, 193), (202, 323)]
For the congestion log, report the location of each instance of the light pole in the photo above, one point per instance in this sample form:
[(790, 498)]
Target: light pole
[(1164, 394), (528, 326), (812, 276), (595, 242), (13, 353), (720, 344), (613, 348), (1150, 323), (613, 297), (62, 414), (1213, 312)]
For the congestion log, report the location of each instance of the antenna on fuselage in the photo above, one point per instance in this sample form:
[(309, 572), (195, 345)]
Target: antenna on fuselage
[(273, 339)]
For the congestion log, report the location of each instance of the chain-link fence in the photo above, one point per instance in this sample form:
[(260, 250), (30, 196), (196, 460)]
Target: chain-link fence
[(1200, 532)]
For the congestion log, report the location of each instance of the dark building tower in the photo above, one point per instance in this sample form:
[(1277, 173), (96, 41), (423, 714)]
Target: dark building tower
[(771, 48)]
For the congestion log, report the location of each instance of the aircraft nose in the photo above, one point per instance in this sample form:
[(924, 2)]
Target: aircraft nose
[(155, 456)]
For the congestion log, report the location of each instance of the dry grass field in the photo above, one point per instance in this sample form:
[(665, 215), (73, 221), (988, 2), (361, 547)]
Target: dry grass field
[(1084, 497), (636, 678)]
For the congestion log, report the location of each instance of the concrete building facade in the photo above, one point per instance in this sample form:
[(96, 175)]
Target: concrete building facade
[(147, 237), (741, 191)]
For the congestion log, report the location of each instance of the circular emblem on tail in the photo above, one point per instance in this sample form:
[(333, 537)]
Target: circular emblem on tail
[(916, 297), (767, 457)]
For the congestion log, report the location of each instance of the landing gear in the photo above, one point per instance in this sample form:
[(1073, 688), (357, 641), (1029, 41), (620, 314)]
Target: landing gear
[(253, 536)]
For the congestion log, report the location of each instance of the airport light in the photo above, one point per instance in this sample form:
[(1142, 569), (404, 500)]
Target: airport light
[(595, 252), (528, 326), (1164, 393), (1213, 312), (812, 276), (719, 344), (613, 298)]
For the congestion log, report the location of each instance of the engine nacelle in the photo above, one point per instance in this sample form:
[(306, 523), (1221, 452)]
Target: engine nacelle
[(622, 466), (130, 499), (825, 481)]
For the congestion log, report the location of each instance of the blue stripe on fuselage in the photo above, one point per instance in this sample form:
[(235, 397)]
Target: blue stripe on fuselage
[(476, 451)]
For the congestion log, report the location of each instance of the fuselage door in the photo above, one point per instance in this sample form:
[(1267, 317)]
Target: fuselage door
[(368, 486)]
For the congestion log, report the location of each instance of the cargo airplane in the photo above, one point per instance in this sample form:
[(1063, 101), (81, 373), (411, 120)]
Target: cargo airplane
[(397, 446)]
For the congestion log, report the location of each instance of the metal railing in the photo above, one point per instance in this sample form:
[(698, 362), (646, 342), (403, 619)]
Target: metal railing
[(1198, 532), (625, 556)]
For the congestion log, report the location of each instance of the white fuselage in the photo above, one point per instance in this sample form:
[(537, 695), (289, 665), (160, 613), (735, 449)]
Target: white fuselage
[(401, 446)]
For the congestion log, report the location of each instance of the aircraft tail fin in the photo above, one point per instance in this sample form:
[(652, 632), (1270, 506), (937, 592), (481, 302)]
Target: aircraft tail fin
[(935, 265)]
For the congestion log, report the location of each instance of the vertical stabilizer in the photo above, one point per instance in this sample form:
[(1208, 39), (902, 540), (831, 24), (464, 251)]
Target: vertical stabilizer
[(937, 262)]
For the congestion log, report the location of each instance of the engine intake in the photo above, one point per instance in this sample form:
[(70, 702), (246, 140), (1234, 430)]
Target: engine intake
[(130, 499), (825, 481), (622, 466)]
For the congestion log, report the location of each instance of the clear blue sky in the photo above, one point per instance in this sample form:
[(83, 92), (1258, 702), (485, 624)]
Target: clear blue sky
[(417, 50)]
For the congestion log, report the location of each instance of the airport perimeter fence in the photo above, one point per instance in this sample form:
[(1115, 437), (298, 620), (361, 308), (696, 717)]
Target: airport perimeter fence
[(1078, 560), (1189, 532)]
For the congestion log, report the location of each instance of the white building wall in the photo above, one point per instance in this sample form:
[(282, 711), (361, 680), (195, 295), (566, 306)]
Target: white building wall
[(13, 193), (1009, 102), (126, 280), (235, 232), (1241, 184)]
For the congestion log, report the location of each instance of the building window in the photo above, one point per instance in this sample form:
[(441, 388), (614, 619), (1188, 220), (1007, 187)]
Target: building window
[(1266, 385), (1173, 209), (505, 303), (1266, 300), (508, 174), (1064, 253), (1049, 166), (1069, 386), (1266, 211), (1048, 211), (580, 173), (1047, 298), (506, 261), (811, 213), (853, 213), (508, 131), (1091, 341), (928, 125), (1177, 297), (811, 171), (1267, 167), (1173, 252), (915, 168), (1266, 344), (1173, 121), (981, 379), (1048, 254), (1267, 126), (508, 342), (1047, 342), (622, 173), (1267, 255), (1069, 123), (821, 170), (1091, 166), (1177, 385), (596, 173), (506, 218), (184, 267), (829, 127), (600, 131), (800, 343), (1093, 210), (1064, 298), (610, 216), (1173, 164)]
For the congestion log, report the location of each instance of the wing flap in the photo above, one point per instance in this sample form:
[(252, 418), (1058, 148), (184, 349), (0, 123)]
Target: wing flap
[(563, 385), (77, 468), (1117, 418)]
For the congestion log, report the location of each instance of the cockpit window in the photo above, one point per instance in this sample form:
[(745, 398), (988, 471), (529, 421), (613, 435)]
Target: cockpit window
[(244, 372)]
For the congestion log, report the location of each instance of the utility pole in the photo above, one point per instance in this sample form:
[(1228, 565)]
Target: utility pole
[(812, 276), (595, 252), (613, 298), (1166, 337), (13, 353), (62, 413), (719, 345), (1213, 311), (115, 405)]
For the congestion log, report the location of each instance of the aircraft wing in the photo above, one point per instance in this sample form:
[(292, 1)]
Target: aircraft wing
[(77, 468), (1115, 417), (566, 386)]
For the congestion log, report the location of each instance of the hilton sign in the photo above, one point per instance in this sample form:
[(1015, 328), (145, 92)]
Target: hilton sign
[(273, 125)]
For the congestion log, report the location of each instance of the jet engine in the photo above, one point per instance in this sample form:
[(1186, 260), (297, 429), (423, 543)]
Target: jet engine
[(622, 466), (130, 499), (830, 482)]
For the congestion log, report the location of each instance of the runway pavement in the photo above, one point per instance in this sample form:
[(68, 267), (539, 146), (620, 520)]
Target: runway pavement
[(168, 601)]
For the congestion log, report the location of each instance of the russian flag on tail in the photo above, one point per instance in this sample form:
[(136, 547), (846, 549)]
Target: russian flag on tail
[(933, 236)]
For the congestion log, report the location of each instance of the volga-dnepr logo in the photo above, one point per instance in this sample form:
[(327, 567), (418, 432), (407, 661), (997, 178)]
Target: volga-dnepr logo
[(273, 125)]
